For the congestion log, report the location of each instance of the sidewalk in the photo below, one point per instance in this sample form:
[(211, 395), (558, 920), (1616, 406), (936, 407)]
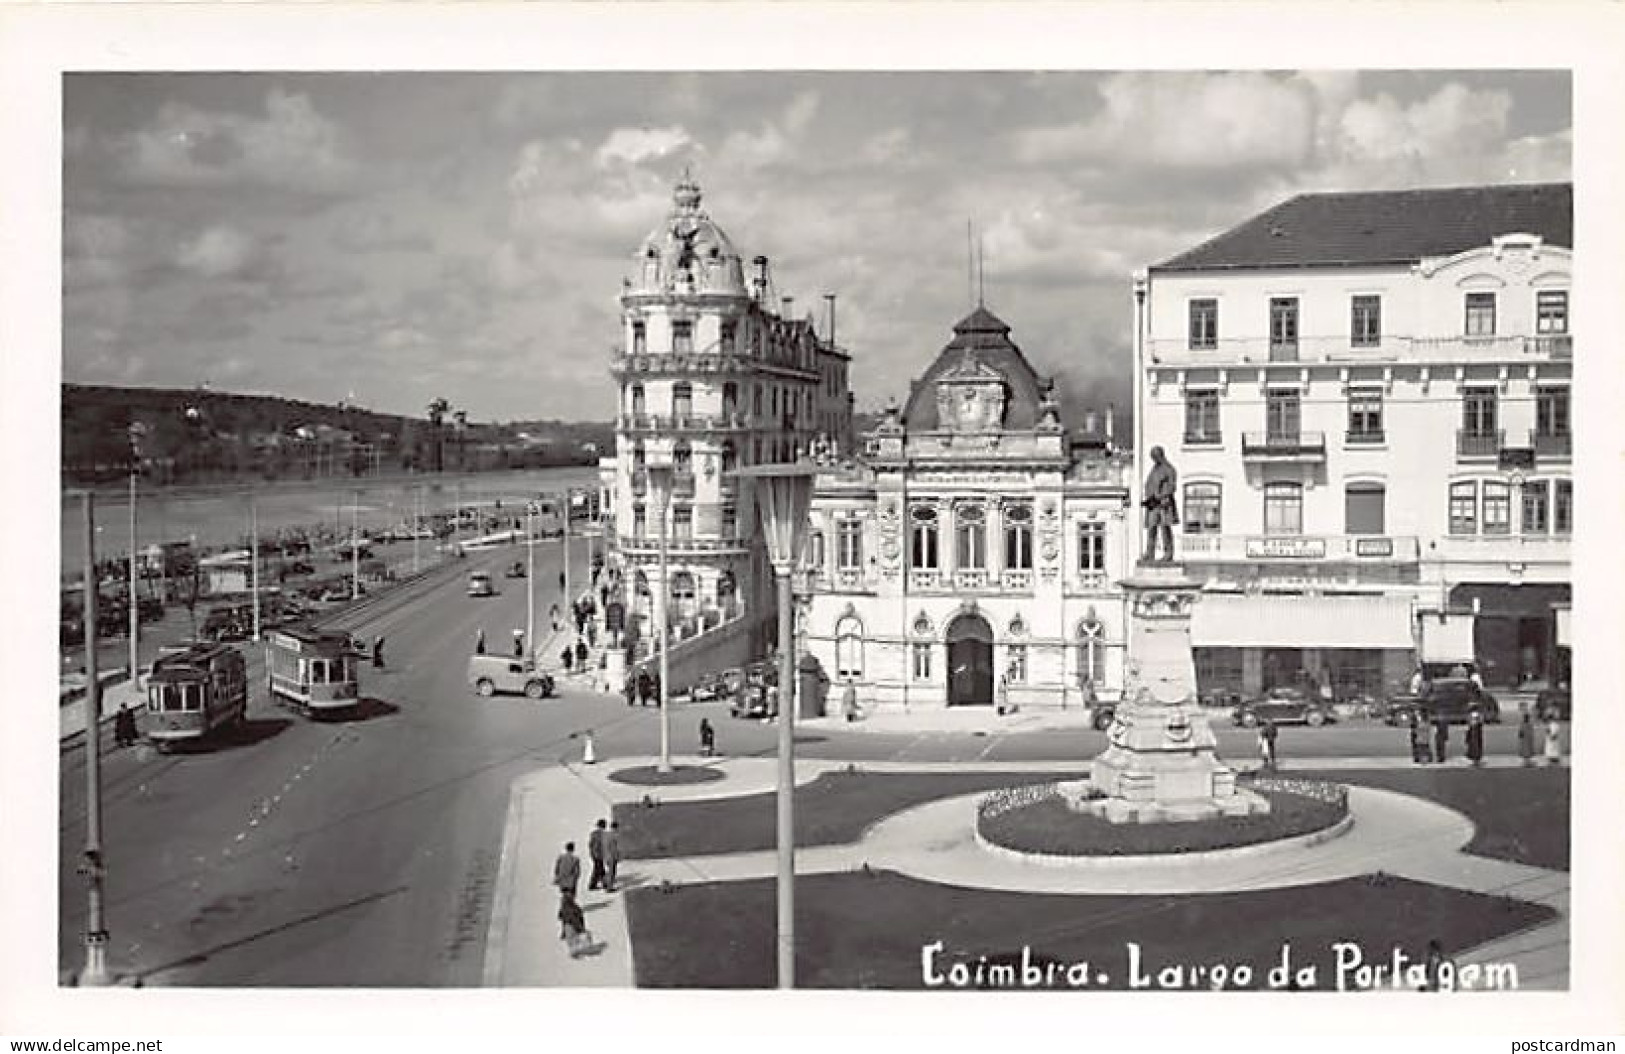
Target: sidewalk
[(1392, 832)]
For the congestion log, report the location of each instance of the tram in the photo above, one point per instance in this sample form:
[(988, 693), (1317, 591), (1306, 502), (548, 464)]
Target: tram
[(311, 669), (193, 690)]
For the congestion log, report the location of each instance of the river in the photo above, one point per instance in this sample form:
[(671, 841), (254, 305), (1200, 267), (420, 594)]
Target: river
[(218, 517)]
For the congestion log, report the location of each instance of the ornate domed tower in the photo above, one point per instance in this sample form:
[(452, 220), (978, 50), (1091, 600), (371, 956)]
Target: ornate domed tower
[(710, 380)]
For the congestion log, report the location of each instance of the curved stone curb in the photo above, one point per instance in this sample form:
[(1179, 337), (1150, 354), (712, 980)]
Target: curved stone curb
[(1178, 859)]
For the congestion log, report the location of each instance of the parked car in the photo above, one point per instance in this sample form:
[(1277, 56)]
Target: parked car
[(721, 684), (490, 674), (1553, 703), (479, 585), (225, 624), (516, 569), (1453, 698), (1284, 705)]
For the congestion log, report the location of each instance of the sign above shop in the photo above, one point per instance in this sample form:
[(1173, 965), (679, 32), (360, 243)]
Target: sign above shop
[(1286, 547)]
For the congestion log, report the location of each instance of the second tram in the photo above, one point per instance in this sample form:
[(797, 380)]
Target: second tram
[(194, 690), (312, 669)]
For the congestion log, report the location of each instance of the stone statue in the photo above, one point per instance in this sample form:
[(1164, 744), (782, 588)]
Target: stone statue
[(1161, 512)]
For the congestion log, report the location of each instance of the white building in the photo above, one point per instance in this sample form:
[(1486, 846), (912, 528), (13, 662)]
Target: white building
[(974, 539), (1367, 399), (710, 380)]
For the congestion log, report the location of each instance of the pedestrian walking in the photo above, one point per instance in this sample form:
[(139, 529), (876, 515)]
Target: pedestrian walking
[(565, 656), (595, 850), (124, 731), (378, 653), (612, 855), (561, 578), (630, 690), (1421, 754), (1475, 739), (1267, 734), (1526, 738), (567, 871), (581, 655), (553, 617), (1441, 739), (654, 689), (479, 641), (1554, 742), (708, 738), (519, 644), (772, 702), (573, 926), (645, 687)]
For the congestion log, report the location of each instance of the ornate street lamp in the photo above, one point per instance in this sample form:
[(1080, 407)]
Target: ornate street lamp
[(783, 495), (658, 475)]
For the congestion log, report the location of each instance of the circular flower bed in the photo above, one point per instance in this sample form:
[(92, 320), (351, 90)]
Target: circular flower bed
[(650, 776), (1036, 820)]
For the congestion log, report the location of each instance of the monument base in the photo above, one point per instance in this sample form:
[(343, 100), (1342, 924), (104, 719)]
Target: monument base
[(1161, 764)]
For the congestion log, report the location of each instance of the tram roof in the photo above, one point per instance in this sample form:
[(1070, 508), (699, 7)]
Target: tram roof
[(185, 661)]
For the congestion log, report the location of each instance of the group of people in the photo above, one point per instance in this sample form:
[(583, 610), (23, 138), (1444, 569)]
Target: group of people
[(1437, 752), (604, 851), (642, 688)]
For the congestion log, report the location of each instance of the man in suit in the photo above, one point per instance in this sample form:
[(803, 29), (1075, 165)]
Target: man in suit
[(595, 850), (567, 871)]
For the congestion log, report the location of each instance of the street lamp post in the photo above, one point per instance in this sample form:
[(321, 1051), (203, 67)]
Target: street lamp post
[(417, 524), (135, 605), (355, 545), (530, 577), (254, 558), (783, 495), (95, 971), (659, 476)]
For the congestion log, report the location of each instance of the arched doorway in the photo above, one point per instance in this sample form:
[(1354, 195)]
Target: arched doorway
[(970, 661)]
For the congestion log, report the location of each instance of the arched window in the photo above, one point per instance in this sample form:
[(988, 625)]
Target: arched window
[(637, 399), (682, 458), (639, 342), (730, 456), (849, 648), (1283, 508), (1091, 654), (640, 582), (970, 535), (730, 397), (682, 522), (682, 399), (1201, 508), (1018, 537), (638, 458), (922, 548), (640, 521)]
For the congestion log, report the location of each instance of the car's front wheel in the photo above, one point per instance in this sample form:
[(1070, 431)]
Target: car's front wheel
[(485, 687), (1249, 720), (1315, 718), (535, 689)]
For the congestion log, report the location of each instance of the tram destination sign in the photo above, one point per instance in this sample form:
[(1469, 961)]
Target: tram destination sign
[(1286, 548)]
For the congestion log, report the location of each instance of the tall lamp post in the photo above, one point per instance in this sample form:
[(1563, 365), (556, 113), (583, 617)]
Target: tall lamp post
[(254, 558), (355, 545), (783, 495), (93, 868), (137, 430), (659, 476), (530, 577)]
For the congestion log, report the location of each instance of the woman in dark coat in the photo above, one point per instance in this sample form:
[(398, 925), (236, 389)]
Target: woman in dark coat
[(1526, 739), (1419, 740), (1475, 740)]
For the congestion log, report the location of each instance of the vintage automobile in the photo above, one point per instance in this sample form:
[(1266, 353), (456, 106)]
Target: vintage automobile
[(479, 585), (1455, 699), (1553, 703), (490, 674), (1284, 705), (516, 569)]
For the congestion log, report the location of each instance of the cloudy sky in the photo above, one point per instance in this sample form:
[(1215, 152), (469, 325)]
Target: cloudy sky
[(410, 235)]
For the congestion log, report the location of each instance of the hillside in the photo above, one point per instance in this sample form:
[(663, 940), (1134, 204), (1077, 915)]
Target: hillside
[(208, 436)]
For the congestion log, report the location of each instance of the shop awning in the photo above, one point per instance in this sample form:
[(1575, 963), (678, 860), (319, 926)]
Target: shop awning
[(1222, 620)]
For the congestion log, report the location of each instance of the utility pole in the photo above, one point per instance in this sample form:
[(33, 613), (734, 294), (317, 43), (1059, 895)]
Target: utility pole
[(93, 868), (254, 558), (135, 603), (530, 577), (355, 545), (417, 524)]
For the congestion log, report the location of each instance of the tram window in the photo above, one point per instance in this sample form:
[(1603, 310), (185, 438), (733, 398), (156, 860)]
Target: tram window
[(192, 697)]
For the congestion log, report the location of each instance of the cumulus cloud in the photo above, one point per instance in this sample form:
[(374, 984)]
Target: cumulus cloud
[(376, 231), (289, 146), (636, 146), (223, 251), (1184, 120)]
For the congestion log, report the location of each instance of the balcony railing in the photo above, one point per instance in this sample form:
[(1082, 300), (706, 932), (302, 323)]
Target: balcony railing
[(924, 578), (1017, 581), (1329, 548), (1479, 443), (974, 578), (1249, 350), (1555, 444), (686, 422), (1284, 445), (1365, 437), (1203, 439)]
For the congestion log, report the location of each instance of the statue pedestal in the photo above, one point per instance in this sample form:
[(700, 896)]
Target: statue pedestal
[(1161, 764)]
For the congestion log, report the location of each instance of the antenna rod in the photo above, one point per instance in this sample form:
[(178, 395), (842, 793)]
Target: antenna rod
[(970, 260), (981, 273)]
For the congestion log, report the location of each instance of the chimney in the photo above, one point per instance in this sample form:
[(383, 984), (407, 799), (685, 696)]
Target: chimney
[(830, 297)]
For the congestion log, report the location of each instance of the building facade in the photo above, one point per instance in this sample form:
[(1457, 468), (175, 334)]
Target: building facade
[(970, 554), (1367, 397), (710, 380)]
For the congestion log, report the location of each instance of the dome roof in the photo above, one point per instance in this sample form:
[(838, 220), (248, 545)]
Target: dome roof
[(981, 338), (689, 249)]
